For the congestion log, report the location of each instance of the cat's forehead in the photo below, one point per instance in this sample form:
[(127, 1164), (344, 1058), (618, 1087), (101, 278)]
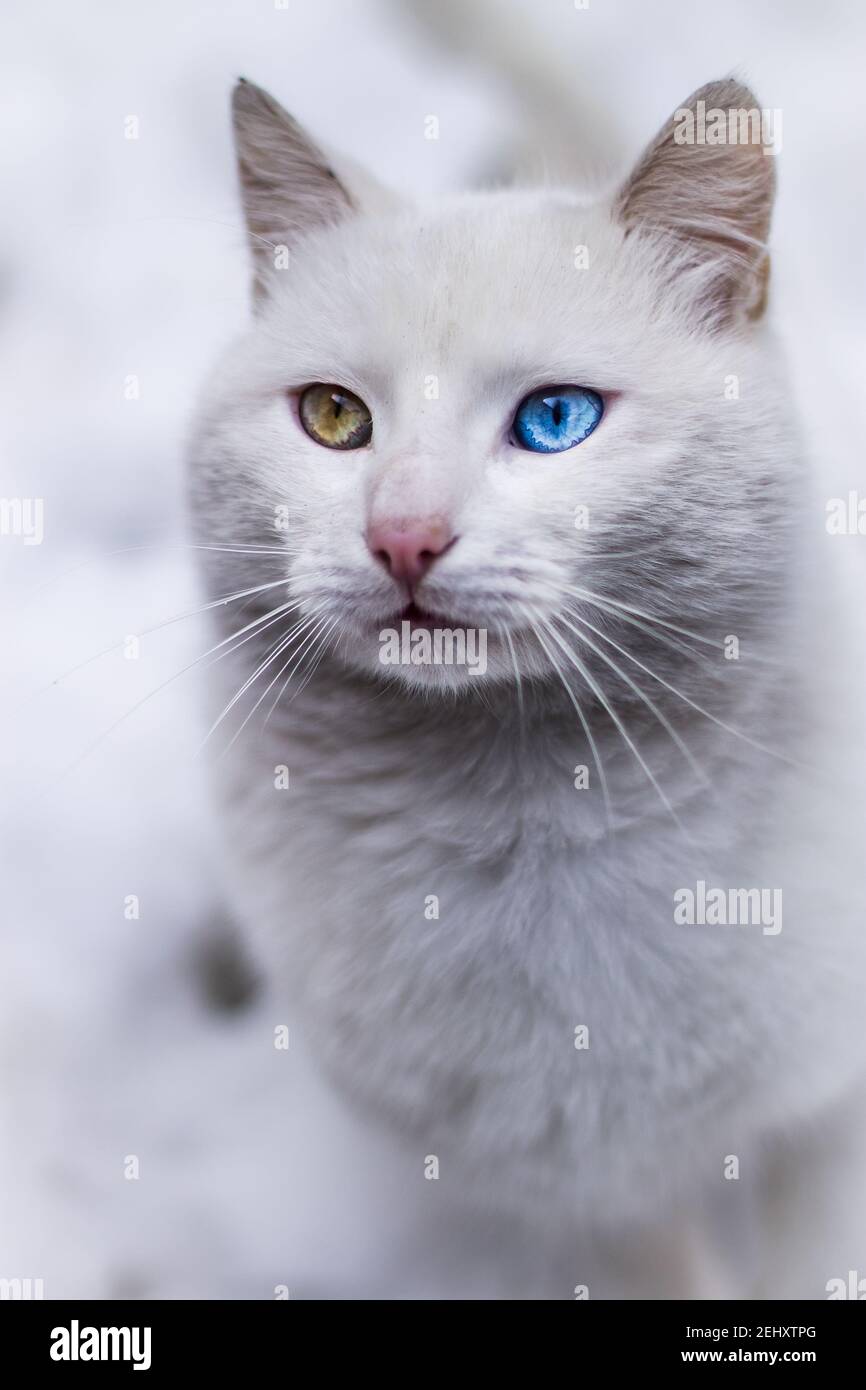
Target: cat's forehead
[(485, 276)]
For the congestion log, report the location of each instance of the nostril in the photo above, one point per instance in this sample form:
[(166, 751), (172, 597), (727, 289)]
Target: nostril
[(408, 549)]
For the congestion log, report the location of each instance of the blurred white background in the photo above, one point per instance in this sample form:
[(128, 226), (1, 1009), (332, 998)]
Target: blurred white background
[(124, 257)]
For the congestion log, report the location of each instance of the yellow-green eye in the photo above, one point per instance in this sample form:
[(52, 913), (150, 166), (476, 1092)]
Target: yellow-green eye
[(335, 417)]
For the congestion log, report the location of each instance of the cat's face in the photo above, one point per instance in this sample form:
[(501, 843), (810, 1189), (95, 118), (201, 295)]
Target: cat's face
[(535, 413)]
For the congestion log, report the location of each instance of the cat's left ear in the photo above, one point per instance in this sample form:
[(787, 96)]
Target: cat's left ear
[(287, 184), (707, 181)]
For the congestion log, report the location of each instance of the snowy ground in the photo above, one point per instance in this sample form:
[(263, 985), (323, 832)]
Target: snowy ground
[(120, 258)]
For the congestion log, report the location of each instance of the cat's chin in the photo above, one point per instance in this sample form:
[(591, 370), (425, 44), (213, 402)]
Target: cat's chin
[(427, 653)]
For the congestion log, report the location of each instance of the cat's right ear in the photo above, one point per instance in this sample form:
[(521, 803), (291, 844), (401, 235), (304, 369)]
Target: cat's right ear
[(287, 183), (709, 197)]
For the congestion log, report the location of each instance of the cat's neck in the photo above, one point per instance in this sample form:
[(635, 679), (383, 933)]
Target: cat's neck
[(518, 749)]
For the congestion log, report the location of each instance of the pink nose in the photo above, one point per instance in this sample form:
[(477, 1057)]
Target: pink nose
[(407, 549)]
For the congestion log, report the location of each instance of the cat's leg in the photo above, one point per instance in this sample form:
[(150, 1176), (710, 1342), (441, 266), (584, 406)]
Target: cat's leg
[(815, 1212), (223, 971), (679, 1259)]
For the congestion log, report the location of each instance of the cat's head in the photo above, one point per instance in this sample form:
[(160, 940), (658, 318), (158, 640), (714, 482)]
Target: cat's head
[(515, 412)]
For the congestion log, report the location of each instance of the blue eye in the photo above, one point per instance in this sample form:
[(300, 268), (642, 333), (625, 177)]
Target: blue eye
[(557, 418)]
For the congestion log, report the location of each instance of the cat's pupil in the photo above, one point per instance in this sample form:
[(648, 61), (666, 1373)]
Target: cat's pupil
[(557, 412)]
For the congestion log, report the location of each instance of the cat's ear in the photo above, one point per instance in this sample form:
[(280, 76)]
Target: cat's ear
[(713, 199), (287, 183)]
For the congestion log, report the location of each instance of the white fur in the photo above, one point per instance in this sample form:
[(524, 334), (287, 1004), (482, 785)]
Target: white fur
[(458, 1032)]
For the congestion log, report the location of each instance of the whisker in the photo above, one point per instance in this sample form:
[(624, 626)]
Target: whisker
[(604, 606), (729, 728), (580, 714), (642, 695), (154, 545), (629, 608), (167, 622), (294, 656), (293, 661), (518, 682), (272, 656), (600, 696), (260, 623), (318, 657)]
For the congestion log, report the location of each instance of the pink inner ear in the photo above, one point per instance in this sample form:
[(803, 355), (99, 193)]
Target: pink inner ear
[(716, 199), (287, 183)]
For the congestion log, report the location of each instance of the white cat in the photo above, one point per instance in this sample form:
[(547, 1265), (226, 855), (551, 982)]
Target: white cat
[(562, 423)]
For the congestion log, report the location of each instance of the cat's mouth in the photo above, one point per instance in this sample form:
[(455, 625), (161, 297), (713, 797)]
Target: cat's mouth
[(420, 617)]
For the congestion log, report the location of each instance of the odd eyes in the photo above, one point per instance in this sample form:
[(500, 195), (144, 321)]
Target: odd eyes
[(556, 418), (546, 422), (335, 417)]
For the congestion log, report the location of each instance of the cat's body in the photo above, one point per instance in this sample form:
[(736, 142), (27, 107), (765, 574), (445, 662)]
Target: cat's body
[(438, 901)]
